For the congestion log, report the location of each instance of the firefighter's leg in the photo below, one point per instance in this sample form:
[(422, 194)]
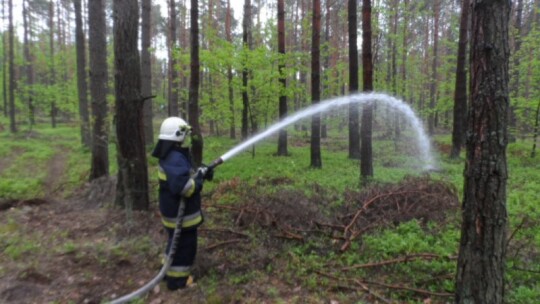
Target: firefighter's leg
[(178, 274)]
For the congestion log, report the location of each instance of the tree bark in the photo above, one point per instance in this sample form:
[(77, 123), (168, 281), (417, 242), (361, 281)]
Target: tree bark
[(460, 93), (146, 71), (196, 136), (480, 268), (98, 88), (354, 113), (282, 140), (366, 152), (316, 161), (82, 85), (132, 185)]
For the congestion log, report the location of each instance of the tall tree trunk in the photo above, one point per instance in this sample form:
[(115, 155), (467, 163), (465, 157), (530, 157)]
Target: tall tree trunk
[(316, 161), (98, 88), (52, 79), (366, 151), (132, 184), (11, 56), (480, 267), (354, 132), (82, 86), (4, 64), (29, 63), (228, 25), (434, 75), (246, 24), (146, 70), (460, 93), (173, 73), (515, 80), (282, 140), (196, 136)]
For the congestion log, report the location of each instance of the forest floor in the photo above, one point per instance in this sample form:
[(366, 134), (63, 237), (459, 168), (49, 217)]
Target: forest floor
[(79, 249)]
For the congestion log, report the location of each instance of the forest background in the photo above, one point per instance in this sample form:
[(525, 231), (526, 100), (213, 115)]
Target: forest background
[(415, 47)]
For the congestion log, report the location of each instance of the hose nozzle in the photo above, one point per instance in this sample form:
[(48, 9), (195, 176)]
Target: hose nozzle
[(216, 162)]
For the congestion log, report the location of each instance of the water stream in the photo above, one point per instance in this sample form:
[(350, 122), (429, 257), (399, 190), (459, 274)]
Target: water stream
[(422, 140)]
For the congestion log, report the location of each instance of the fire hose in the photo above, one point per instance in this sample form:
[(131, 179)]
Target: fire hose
[(168, 259)]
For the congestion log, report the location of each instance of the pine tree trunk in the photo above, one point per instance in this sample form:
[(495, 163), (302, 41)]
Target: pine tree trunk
[(11, 59), (316, 161), (354, 113), (98, 88), (193, 103), (146, 71), (434, 73), (460, 93), (366, 151), (228, 25), (29, 63), (132, 185), (480, 268), (282, 140), (52, 79), (173, 73), (246, 24), (82, 86)]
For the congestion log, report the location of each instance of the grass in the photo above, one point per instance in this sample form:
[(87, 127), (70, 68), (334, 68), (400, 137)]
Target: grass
[(28, 156)]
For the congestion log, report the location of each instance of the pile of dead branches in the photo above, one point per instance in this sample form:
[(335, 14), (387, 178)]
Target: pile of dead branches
[(295, 215)]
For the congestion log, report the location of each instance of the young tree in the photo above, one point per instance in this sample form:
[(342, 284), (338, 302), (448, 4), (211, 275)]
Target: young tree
[(146, 70), (132, 184), (480, 267), (316, 161), (460, 93), (82, 85), (98, 88), (282, 140), (366, 151), (193, 102), (354, 136), (11, 56)]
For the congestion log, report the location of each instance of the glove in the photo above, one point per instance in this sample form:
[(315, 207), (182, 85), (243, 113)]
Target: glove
[(209, 175), (198, 177)]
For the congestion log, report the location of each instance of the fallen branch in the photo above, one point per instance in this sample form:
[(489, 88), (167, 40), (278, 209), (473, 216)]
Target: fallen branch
[(224, 230), (349, 240), (412, 289), (405, 259), (214, 246)]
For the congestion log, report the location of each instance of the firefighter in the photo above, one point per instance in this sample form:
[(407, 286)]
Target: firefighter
[(178, 180)]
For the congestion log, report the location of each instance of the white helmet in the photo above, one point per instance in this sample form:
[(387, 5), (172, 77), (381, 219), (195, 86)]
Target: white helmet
[(174, 129)]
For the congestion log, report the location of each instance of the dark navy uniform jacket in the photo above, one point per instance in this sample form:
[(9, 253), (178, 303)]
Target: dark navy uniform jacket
[(176, 183)]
